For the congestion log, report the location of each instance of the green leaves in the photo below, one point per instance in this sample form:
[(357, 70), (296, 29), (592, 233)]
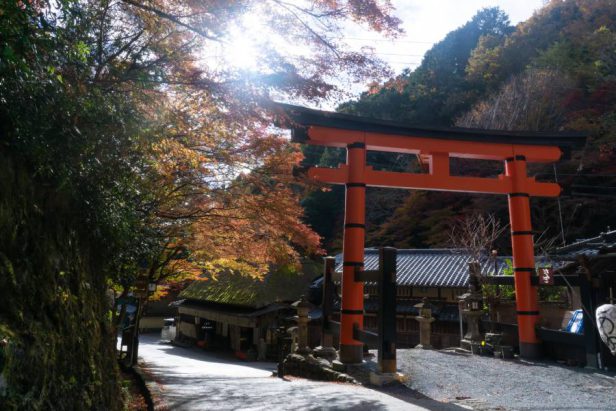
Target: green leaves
[(8, 54), (81, 51)]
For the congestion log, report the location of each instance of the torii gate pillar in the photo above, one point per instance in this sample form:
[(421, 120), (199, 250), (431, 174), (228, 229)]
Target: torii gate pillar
[(523, 258), (352, 310)]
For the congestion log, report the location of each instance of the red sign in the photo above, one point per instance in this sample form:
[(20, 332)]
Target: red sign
[(546, 276)]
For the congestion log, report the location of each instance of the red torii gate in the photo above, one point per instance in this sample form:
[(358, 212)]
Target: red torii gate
[(434, 146)]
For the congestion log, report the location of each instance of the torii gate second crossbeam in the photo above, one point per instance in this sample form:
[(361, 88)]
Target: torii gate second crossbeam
[(435, 147)]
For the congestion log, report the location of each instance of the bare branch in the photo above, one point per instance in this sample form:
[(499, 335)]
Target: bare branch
[(476, 234), (172, 18)]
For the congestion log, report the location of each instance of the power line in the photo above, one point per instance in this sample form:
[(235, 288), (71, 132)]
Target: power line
[(576, 174), (580, 190), (591, 195), (592, 187), (396, 54), (404, 62), (387, 41)]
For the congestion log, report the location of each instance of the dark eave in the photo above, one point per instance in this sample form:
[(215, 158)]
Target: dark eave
[(590, 245), (302, 117)]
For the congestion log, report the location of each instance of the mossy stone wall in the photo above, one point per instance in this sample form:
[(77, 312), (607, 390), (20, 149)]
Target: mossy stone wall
[(53, 305)]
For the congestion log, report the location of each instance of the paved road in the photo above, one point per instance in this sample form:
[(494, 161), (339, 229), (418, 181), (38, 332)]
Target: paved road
[(192, 379)]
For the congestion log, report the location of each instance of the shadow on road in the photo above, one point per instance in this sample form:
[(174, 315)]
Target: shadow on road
[(219, 357), (195, 379), (186, 392)]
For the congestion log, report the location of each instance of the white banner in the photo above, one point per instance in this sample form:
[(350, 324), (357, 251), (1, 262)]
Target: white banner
[(606, 322)]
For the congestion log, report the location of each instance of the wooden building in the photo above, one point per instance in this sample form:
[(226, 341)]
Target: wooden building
[(440, 275), (593, 261), (238, 312)]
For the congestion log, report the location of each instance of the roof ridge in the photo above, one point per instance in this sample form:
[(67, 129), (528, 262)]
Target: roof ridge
[(373, 250)]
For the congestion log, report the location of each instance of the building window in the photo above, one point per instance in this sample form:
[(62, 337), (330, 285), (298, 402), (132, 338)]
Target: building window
[(404, 291)]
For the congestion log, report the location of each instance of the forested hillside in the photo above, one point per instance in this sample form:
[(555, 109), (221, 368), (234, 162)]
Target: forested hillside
[(555, 71)]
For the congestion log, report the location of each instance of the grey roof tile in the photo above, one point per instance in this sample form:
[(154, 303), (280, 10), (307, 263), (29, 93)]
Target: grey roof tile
[(589, 247), (431, 267)]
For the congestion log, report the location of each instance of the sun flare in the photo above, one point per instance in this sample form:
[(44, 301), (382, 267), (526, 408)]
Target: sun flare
[(246, 39)]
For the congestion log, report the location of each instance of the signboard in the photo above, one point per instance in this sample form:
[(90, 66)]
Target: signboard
[(141, 287), (141, 293), (546, 276), (141, 283)]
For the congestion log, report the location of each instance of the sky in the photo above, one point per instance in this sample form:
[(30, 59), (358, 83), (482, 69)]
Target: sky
[(425, 22), (428, 21)]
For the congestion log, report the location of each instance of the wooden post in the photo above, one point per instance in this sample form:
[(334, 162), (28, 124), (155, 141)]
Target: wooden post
[(326, 349), (352, 310), (329, 290), (588, 310), (523, 258), (387, 310)]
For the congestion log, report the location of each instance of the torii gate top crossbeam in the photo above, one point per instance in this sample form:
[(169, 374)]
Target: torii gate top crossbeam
[(337, 130), (434, 146)]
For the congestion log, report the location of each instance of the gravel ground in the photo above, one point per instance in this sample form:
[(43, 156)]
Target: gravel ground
[(484, 383)]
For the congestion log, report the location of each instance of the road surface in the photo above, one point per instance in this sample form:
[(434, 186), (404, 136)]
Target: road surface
[(192, 379)]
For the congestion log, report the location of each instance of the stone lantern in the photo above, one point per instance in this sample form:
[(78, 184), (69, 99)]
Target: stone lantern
[(472, 308), (472, 302), (425, 324), (303, 308)]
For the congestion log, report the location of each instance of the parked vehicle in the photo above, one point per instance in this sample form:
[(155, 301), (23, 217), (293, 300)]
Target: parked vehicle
[(168, 332)]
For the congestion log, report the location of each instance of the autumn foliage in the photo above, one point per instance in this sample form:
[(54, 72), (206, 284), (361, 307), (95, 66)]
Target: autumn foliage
[(133, 149)]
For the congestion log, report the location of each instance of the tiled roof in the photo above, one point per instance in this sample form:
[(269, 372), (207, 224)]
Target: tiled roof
[(589, 247), (431, 267), (280, 285)]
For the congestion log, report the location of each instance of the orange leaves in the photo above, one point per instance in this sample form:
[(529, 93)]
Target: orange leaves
[(225, 191), (261, 225), (218, 181), (172, 158), (376, 14)]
